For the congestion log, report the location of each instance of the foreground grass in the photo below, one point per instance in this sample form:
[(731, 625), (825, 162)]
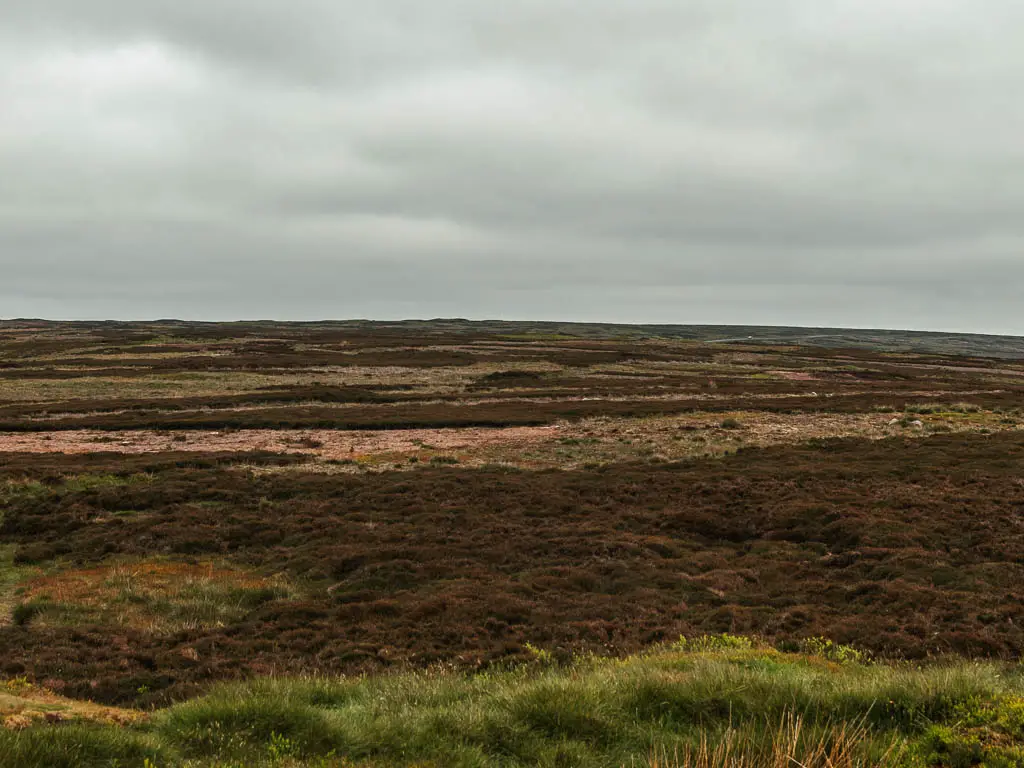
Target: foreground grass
[(713, 703)]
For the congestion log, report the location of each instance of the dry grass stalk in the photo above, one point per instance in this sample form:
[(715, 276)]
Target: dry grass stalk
[(847, 745)]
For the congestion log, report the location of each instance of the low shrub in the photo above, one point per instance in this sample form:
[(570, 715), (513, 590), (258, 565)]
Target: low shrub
[(444, 460), (23, 613), (827, 649), (711, 643)]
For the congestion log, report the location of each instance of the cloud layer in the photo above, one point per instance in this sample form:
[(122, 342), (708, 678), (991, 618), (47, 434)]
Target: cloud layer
[(844, 163)]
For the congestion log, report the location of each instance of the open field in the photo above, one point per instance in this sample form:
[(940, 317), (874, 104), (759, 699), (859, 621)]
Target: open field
[(188, 505)]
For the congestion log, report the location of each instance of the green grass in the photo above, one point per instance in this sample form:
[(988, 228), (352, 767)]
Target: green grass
[(157, 596), (81, 746), (85, 483), (11, 576), (12, 491), (674, 706), (26, 491)]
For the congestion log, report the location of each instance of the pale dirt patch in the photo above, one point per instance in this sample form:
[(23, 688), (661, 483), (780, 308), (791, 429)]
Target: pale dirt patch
[(136, 353), (564, 445), (323, 443), (739, 358), (792, 375), (672, 438), (23, 705)]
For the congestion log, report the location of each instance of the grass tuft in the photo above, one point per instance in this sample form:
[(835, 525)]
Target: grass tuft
[(80, 746)]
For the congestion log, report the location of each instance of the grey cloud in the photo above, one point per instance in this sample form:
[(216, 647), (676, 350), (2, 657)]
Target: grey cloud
[(795, 162)]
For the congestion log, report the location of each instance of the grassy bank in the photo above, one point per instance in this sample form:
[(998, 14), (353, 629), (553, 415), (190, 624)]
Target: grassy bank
[(706, 703)]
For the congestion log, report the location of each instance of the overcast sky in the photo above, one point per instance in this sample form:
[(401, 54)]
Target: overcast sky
[(808, 162)]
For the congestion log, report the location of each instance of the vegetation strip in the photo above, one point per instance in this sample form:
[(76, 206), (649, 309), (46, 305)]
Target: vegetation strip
[(715, 701)]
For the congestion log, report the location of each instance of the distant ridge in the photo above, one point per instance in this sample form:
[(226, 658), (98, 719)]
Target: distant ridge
[(922, 342)]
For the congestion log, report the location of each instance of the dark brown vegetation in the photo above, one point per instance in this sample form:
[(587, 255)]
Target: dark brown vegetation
[(903, 547), (906, 547), (507, 413)]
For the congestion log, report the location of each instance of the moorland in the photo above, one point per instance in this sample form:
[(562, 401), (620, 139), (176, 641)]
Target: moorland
[(454, 543)]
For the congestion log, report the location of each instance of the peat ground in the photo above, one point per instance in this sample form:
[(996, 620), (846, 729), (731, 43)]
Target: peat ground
[(876, 498), (903, 547)]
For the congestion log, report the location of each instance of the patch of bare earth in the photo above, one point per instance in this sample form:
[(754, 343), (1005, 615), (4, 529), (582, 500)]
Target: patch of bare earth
[(792, 375), (566, 445), (23, 705), (324, 443)]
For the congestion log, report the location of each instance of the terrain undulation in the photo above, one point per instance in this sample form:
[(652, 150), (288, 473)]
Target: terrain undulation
[(188, 504)]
